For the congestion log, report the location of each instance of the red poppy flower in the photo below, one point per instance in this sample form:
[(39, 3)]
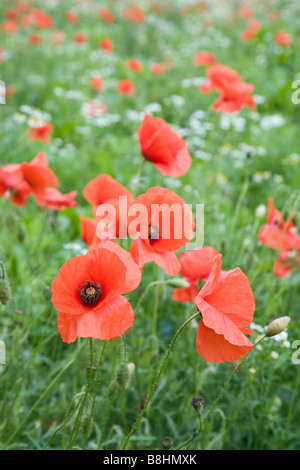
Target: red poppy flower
[(80, 38), (105, 190), (234, 93), (88, 228), (94, 108), (38, 176), (135, 65), (277, 233), (246, 12), (219, 75), (10, 27), (10, 90), (12, 183), (106, 15), (55, 200), (71, 17), (195, 265), (285, 263), (235, 97), (157, 68), (22, 6), (96, 83), (34, 39), (41, 132), (227, 306), (163, 147), (58, 37), (204, 58), (106, 45), (11, 14), (283, 39), (88, 290), (126, 87), (134, 14), (163, 224), (251, 31)]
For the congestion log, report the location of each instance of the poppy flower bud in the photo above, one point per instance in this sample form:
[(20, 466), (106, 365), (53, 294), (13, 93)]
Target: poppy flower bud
[(131, 368), (260, 211), (167, 441), (123, 376), (277, 326), (5, 291), (177, 283), (197, 402), (21, 235)]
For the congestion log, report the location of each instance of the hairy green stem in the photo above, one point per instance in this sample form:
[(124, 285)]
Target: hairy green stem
[(202, 424), (39, 401), (76, 426), (159, 374)]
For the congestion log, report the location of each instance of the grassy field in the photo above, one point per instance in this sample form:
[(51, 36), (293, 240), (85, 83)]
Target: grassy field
[(50, 396)]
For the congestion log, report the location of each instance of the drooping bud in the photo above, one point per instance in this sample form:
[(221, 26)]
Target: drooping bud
[(197, 402), (123, 376), (177, 283), (277, 326), (5, 291), (167, 441)]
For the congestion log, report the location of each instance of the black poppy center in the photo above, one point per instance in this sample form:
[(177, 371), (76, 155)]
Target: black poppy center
[(153, 232), (90, 292)]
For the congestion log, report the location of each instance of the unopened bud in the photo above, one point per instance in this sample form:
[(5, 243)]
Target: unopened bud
[(167, 441), (197, 402), (5, 291), (177, 283), (277, 326), (260, 211), (123, 376)]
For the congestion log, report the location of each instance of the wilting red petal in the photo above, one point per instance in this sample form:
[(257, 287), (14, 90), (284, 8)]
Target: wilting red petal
[(215, 348), (227, 305)]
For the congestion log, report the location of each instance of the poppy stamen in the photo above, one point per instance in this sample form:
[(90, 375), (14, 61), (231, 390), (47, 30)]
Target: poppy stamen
[(90, 292), (153, 232)]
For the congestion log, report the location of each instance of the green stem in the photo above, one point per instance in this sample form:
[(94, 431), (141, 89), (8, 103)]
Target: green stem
[(145, 293), (124, 348), (159, 374), (95, 393), (202, 424), (39, 401), (76, 426), (3, 271)]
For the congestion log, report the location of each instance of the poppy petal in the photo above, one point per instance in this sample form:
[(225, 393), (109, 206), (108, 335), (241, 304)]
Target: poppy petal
[(111, 321), (213, 347)]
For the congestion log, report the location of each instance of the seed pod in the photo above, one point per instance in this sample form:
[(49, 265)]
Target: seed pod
[(5, 291), (167, 441), (277, 326), (177, 283), (123, 376)]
